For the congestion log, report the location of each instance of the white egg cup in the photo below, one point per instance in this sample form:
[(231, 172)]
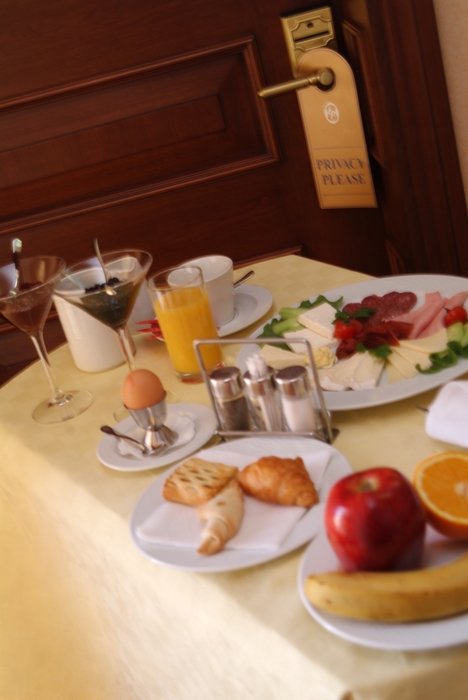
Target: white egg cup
[(151, 420)]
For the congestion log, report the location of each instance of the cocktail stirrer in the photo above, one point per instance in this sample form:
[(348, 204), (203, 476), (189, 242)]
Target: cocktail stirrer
[(108, 288)]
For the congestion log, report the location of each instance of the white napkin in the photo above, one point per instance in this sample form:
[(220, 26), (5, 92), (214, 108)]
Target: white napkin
[(447, 418), (182, 424), (264, 526)]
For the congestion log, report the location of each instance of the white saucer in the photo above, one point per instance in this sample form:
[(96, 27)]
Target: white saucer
[(205, 423), (250, 303)]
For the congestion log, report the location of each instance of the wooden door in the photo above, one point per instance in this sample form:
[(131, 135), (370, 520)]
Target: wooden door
[(139, 123)]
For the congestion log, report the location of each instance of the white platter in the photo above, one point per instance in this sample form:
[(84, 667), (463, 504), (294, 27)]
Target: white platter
[(250, 303), (386, 393), (231, 560), (204, 422), (432, 634)]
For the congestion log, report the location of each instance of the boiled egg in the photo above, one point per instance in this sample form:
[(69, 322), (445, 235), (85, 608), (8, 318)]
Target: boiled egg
[(142, 389)]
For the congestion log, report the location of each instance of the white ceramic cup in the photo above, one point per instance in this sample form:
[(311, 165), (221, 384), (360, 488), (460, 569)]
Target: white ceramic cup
[(218, 277)]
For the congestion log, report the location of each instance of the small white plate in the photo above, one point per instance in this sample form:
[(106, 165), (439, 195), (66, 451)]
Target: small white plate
[(250, 303), (231, 560), (418, 636), (205, 424)]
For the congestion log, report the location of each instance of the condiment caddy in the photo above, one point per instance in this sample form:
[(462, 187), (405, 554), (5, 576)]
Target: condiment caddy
[(265, 402)]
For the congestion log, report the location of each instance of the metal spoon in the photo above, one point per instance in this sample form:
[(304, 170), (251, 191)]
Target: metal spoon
[(110, 431), (16, 247), (108, 289), (243, 279)]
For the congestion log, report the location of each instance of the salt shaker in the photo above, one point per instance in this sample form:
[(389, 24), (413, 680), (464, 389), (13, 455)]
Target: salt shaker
[(261, 392), (229, 399), (296, 397)]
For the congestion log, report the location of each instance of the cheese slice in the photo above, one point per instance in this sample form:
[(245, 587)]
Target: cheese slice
[(338, 377), (413, 356), (367, 373), (320, 320), (315, 340), (433, 343), (279, 359), (393, 375), (406, 368)]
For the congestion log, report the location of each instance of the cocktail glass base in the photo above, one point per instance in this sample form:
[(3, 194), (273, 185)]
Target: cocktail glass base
[(68, 406)]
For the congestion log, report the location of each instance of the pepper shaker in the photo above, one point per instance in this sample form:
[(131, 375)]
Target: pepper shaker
[(261, 391), (229, 399), (297, 402)]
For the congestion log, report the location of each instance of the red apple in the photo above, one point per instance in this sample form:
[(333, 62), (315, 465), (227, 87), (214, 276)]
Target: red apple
[(375, 521)]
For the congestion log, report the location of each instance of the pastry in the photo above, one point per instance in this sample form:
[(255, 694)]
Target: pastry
[(277, 480), (222, 516), (195, 481)]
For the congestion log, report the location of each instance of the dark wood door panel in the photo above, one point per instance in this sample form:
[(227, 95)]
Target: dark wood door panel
[(176, 224), (193, 118), (59, 42)]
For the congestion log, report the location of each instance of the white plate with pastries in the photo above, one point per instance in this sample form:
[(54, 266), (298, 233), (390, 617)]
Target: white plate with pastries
[(169, 533)]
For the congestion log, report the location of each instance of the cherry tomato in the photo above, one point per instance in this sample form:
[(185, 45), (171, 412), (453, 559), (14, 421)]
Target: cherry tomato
[(344, 331), (455, 315)]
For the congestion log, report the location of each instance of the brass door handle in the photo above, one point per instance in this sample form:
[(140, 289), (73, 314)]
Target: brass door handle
[(324, 77)]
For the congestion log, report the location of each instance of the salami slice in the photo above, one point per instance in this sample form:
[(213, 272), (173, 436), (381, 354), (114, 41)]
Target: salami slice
[(352, 307), (401, 300), (373, 302), (388, 306)]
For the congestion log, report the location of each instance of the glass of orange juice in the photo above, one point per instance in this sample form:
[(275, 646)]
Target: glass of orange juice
[(184, 313)]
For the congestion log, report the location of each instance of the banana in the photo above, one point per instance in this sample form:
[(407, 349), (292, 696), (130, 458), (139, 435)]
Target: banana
[(408, 596)]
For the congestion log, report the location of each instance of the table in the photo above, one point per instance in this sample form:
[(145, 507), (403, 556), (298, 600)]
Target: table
[(84, 615)]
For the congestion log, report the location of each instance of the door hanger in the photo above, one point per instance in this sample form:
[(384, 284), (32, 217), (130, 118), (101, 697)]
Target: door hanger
[(334, 133)]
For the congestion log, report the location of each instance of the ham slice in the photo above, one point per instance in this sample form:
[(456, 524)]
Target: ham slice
[(411, 316), (458, 299), (437, 322), (435, 325), (422, 317)]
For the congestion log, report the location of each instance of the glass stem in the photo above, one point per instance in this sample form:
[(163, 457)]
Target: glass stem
[(126, 344), (38, 342)]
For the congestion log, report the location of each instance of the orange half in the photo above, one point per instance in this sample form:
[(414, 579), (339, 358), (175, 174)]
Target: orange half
[(442, 483)]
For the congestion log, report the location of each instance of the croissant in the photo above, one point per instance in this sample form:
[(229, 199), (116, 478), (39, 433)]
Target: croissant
[(222, 515), (277, 480)]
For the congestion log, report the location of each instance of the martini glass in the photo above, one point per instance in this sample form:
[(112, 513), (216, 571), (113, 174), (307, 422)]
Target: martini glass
[(26, 304), (108, 291)]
